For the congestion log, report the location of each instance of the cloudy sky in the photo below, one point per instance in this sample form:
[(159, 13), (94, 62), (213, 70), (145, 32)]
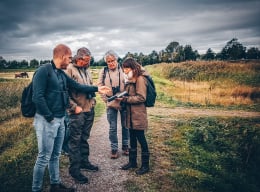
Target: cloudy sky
[(31, 28)]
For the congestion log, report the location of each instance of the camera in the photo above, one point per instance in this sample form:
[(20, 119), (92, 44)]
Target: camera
[(90, 95), (115, 89)]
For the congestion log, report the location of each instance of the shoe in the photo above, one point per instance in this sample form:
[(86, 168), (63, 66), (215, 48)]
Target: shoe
[(60, 188), (89, 167), (114, 154), (79, 178), (142, 170), (129, 166), (126, 152)]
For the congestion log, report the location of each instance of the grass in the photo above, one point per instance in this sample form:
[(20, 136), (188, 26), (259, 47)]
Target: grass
[(198, 154), (208, 84)]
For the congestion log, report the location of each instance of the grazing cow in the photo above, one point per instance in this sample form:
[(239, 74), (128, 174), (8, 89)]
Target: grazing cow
[(21, 75)]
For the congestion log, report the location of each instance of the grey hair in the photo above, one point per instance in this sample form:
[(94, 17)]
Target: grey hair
[(110, 53)]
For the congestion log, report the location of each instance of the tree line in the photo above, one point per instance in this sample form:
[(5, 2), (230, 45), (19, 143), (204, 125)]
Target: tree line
[(174, 52)]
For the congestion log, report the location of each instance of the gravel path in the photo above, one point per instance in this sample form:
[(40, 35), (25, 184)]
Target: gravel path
[(109, 178)]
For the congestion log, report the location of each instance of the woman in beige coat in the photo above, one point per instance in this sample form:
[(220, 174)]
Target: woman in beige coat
[(136, 114)]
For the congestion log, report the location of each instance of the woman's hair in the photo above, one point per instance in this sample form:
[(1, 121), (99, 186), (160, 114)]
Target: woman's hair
[(110, 53), (131, 63)]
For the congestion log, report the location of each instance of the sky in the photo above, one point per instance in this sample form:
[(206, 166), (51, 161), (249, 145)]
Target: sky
[(30, 29)]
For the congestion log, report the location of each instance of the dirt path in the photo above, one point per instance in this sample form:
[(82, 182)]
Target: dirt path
[(110, 178), (181, 111)]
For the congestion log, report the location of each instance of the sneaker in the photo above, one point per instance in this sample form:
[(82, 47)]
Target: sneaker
[(60, 188), (126, 151), (79, 178), (114, 154), (89, 167)]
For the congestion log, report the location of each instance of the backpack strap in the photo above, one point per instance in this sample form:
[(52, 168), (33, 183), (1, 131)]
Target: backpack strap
[(105, 70)]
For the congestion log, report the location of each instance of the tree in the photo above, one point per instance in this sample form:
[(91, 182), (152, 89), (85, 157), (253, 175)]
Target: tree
[(180, 56), (189, 54), (2, 63), (210, 55), (34, 63), (24, 64), (233, 50), (154, 57), (253, 53), (171, 48)]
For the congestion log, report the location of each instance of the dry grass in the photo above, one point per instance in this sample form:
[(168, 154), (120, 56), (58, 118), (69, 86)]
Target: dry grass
[(207, 93), (14, 130), (209, 83)]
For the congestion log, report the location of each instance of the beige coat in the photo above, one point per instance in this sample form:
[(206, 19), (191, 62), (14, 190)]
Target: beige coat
[(136, 110), (111, 78), (82, 76)]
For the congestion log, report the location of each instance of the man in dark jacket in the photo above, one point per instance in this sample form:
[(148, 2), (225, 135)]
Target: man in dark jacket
[(50, 95)]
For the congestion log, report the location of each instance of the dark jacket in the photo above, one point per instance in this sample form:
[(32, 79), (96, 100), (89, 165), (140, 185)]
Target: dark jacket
[(50, 93), (135, 107)]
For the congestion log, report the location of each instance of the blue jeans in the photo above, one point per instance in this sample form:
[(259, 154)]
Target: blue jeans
[(50, 138), (112, 119)]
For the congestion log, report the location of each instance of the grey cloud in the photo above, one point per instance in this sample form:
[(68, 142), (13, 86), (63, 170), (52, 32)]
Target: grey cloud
[(31, 28)]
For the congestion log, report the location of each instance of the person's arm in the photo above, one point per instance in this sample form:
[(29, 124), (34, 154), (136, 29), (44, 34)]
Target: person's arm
[(40, 83), (73, 106), (85, 88), (141, 90)]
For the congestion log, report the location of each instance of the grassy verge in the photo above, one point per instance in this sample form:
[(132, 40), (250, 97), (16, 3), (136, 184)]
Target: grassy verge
[(201, 154)]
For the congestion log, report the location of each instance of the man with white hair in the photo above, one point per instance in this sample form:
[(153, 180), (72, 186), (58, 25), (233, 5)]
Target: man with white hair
[(112, 76)]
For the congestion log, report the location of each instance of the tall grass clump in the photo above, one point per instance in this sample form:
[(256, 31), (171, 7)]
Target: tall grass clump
[(10, 96), (217, 155), (16, 165)]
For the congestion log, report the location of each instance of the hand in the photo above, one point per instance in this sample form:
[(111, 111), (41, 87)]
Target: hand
[(104, 89), (78, 110)]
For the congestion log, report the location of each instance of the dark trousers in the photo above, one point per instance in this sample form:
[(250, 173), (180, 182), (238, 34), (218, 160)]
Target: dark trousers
[(138, 135), (80, 126)]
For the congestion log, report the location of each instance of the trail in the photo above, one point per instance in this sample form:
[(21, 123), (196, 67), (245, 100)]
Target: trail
[(109, 178)]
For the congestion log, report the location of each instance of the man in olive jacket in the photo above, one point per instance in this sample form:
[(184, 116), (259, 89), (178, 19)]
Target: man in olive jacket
[(81, 116)]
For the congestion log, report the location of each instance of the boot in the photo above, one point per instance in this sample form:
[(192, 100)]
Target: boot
[(132, 160), (79, 178), (145, 164)]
